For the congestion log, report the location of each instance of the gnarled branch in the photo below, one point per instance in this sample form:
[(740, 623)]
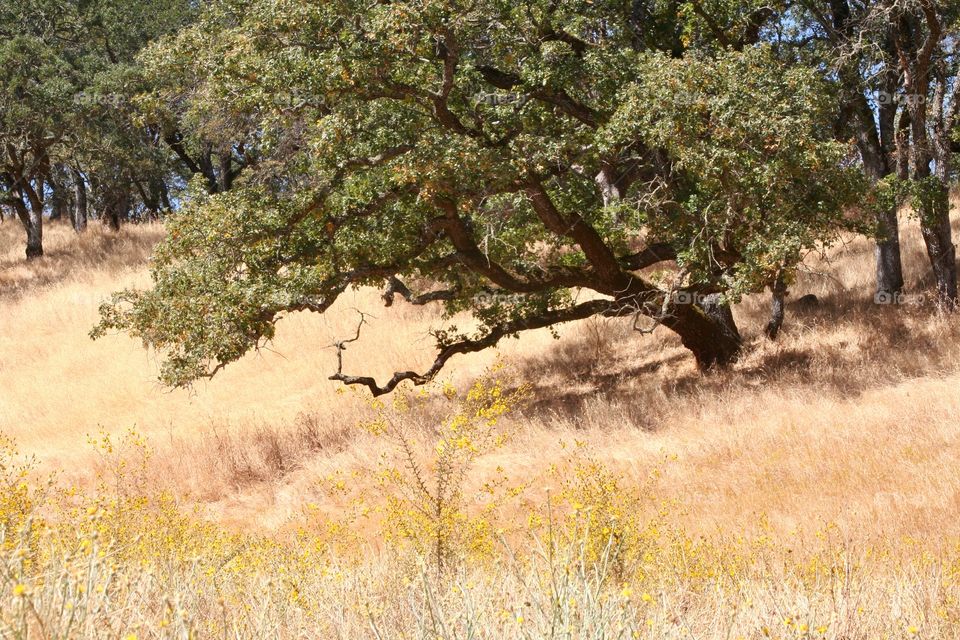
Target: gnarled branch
[(468, 345)]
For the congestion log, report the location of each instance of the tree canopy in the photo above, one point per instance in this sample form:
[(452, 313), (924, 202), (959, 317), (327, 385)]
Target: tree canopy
[(68, 77), (529, 162)]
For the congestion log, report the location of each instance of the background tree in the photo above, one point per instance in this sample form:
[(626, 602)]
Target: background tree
[(526, 162), (120, 155), (37, 85), (209, 133), (896, 66), (67, 72)]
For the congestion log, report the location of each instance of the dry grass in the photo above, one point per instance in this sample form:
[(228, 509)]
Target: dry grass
[(810, 487), (849, 418)]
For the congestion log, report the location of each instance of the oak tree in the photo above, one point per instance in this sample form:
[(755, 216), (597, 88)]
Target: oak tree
[(530, 163)]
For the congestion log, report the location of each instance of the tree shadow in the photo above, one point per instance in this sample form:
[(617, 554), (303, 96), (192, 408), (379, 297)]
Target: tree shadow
[(844, 346)]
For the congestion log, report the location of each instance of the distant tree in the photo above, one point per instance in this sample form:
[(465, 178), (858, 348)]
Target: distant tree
[(36, 90), (896, 65), (121, 155), (65, 80), (529, 162), (207, 135)]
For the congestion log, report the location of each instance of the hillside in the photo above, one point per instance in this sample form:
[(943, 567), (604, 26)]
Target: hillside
[(850, 417)]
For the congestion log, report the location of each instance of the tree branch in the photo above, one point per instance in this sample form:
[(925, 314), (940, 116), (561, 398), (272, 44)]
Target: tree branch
[(494, 335), (650, 256)]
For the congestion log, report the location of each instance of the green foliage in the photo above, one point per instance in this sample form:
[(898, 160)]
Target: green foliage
[(925, 196), (763, 178), (67, 75), (460, 147), (236, 283)]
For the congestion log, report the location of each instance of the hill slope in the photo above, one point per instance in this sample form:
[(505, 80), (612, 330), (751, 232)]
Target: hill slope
[(850, 417)]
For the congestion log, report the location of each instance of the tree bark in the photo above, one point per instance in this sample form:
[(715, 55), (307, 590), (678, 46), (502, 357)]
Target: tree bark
[(117, 209), (35, 234), (937, 236), (887, 252), (32, 221), (79, 212), (917, 58), (31, 217), (777, 311), (875, 153), (876, 142), (59, 196), (708, 330)]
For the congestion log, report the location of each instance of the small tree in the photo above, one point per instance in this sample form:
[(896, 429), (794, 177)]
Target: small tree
[(36, 90), (505, 156)]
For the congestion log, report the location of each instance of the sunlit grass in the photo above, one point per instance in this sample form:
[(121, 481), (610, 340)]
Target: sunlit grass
[(599, 559), (807, 492)]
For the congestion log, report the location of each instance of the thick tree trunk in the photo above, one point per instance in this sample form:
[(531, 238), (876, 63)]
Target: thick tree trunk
[(919, 62), (32, 221), (875, 153), (937, 234), (708, 331), (31, 218), (118, 209), (59, 195), (934, 204), (35, 235), (79, 212)]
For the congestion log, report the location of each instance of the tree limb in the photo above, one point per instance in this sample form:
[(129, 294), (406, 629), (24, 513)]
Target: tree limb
[(493, 336)]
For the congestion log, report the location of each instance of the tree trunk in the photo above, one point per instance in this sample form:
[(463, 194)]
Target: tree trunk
[(708, 330), (777, 312), (32, 222), (79, 215), (59, 196), (918, 64), (937, 236), (934, 205), (117, 209), (874, 151), (32, 219), (35, 234), (887, 252)]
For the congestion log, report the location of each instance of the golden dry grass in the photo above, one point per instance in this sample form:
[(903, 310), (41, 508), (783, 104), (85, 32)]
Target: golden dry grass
[(851, 417), (807, 492)]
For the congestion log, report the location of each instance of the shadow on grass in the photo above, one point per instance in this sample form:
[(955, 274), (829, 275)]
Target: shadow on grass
[(67, 256)]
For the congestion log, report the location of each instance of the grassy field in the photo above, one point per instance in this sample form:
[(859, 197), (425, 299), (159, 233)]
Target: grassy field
[(808, 492)]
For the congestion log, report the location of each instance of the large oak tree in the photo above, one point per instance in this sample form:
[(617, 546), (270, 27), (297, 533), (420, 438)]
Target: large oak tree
[(530, 162)]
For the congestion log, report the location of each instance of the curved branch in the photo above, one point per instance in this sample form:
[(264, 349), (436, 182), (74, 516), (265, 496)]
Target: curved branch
[(495, 334), (471, 256), (600, 256), (556, 97), (659, 252)]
